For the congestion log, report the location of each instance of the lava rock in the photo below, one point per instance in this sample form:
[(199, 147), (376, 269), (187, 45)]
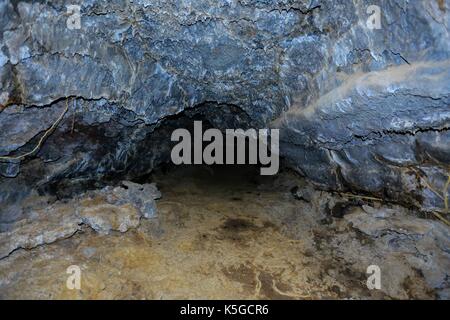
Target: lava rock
[(302, 194), (105, 210), (105, 218), (365, 104), (369, 134), (58, 221)]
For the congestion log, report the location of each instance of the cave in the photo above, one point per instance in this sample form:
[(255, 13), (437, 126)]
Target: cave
[(353, 96)]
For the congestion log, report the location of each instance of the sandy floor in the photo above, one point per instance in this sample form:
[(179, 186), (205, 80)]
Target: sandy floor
[(218, 235)]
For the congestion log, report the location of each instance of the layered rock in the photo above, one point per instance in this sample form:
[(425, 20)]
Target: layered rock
[(135, 69), (106, 210), (384, 133)]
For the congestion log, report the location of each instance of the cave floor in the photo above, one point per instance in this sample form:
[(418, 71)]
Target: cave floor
[(218, 236)]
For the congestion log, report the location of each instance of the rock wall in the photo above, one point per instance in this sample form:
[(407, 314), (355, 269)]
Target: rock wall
[(383, 128), (360, 109)]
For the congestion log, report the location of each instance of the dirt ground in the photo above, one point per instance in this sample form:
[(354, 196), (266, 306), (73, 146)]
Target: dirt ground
[(222, 235)]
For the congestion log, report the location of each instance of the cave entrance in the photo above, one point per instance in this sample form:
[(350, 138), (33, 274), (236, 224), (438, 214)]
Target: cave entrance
[(211, 115), (122, 158), (209, 177)]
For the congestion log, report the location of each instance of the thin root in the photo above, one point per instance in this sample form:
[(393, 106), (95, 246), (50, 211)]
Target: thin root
[(361, 197), (445, 193), (42, 139), (440, 217)]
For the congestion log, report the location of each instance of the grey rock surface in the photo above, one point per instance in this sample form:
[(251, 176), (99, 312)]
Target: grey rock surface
[(118, 208), (383, 133), (414, 238), (136, 69), (106, 210)]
